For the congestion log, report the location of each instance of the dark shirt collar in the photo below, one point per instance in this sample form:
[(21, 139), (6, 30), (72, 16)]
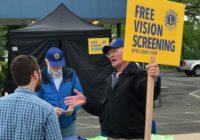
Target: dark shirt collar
[(130, 68)]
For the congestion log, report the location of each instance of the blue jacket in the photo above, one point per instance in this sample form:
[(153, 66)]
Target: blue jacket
[(49, 93)]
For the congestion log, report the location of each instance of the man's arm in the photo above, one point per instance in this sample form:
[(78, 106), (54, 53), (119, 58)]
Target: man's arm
[(76, 86), (52, 128), (40, 93), (79, 99), (94, 107)]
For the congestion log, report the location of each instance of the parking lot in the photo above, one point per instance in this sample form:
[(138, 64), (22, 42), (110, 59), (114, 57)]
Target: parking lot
[(179, 111)]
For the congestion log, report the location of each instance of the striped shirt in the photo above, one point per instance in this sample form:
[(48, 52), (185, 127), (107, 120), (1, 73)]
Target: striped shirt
[(24, 116)]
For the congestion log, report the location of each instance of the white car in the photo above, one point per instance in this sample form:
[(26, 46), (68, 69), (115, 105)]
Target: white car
[(190, 67)]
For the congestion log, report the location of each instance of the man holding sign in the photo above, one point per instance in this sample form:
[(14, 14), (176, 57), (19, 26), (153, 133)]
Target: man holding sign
[(122, 109), (153, 34)]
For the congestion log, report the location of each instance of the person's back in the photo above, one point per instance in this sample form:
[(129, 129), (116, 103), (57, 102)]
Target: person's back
[(23, 116)]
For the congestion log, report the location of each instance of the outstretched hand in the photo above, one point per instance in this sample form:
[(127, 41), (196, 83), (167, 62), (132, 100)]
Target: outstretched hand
[(76, 100)]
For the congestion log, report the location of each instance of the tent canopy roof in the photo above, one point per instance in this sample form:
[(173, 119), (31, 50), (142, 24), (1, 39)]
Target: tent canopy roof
[(60, 20)]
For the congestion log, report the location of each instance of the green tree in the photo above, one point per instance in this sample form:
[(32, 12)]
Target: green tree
[(191, 42), (4, 35), (3, 39), (3, 46), (192, 9)]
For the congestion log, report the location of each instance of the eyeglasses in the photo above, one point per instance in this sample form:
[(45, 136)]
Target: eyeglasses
[(111, 53)]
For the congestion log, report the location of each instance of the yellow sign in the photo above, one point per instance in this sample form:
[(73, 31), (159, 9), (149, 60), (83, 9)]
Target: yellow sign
[(154, 28), (95, 45)]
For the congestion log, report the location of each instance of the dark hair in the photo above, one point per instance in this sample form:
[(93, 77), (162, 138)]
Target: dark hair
[(22, 68)]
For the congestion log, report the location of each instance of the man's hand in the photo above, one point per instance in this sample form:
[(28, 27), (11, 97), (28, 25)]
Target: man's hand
[(77, 100), (153, 70), (69, 111), (70, 108), (58, 111)]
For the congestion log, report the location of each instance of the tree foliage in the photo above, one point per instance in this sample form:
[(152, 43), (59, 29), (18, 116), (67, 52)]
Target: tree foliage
[(4, 36), (3, 39), (191, 34), (192, 9), (191, 42), (3, 46)]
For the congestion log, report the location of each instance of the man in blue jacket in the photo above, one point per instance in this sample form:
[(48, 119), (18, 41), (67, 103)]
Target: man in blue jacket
[(59, 82)]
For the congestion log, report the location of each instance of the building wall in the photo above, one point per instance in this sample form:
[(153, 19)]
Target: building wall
[(90, 9)]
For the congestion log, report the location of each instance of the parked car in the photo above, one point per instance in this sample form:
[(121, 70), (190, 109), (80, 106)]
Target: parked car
[(190, 67)]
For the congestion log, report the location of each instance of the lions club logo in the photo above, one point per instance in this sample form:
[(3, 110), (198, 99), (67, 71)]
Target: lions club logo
[(56, 56), (171, 19)]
